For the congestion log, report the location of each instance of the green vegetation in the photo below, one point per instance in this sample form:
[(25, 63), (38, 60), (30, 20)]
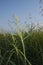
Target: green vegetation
[(22, 48)]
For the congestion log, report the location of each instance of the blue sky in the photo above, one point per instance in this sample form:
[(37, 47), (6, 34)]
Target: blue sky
[(22, 8)]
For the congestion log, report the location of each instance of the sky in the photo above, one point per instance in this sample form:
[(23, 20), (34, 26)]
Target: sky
[(22, 8)]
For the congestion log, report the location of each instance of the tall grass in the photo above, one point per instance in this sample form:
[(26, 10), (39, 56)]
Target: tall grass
[(22, 48)]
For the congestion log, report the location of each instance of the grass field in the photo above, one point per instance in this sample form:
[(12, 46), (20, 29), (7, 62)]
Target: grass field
[(23, 48)]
